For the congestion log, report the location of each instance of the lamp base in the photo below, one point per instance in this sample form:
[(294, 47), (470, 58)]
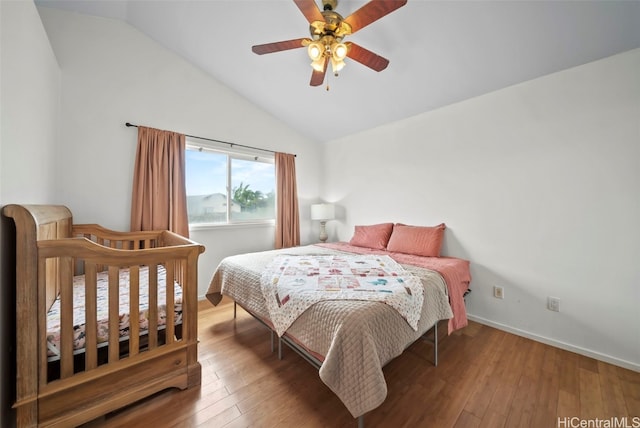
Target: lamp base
[(323, 232)]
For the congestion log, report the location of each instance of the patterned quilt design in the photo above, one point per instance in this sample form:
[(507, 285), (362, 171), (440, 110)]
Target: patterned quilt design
[(291, 284), (53, 316)]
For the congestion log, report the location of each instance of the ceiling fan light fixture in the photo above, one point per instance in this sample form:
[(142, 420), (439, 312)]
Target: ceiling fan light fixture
[(336, 65), (339, 51), (318, 64), (315, 51)]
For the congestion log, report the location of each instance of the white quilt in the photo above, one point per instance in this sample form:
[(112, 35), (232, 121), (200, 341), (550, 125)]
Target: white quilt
[(293, 283)]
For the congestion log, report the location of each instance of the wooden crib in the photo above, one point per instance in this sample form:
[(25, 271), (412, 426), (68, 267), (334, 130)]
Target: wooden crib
[(90, 375)]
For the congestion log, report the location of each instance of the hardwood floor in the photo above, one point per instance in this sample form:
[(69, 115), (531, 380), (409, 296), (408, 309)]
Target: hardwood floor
[(485, 378)]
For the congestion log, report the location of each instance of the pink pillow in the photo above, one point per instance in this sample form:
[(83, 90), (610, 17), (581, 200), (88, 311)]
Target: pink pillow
[(374, 236), (418, 240)]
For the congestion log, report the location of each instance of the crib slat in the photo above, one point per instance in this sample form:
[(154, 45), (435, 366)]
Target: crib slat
[(153, 306), (42, 324), (134, 310), (91, 325), (66, 316), (100, 241), (114, 314), (187, 325), (170, 311), (180, 272)]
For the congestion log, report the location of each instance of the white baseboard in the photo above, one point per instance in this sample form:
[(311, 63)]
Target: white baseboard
[(562, 345)]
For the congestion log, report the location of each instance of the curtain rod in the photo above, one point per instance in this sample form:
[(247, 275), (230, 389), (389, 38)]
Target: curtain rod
[(217, 141)]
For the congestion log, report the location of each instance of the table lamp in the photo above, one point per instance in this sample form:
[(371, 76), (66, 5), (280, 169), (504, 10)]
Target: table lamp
[(323, 212)]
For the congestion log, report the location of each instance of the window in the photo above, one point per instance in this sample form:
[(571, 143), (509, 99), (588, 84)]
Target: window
[(211, 172)]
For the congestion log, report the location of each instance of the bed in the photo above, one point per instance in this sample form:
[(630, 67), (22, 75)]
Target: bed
[(350, 341), (103, 318)]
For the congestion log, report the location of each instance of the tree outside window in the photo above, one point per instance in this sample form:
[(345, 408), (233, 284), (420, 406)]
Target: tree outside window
[(210, 172)]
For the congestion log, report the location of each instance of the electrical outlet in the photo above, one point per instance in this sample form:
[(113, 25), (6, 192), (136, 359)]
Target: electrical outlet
[(498, 292), (553, 304)]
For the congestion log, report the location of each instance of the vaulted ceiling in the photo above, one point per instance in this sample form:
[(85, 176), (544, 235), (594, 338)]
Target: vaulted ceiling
[(440, 52)]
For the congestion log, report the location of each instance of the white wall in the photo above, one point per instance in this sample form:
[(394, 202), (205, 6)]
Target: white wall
[(539, 185), (29, 106), (112, 74)]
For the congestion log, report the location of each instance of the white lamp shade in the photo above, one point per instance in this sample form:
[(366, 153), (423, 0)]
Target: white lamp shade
[(323, 212)]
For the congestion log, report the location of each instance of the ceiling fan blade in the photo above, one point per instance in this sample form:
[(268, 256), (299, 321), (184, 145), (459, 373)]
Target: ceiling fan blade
[(317, 77), (366, 57), (278, 46), (310, 10), (371, 12)]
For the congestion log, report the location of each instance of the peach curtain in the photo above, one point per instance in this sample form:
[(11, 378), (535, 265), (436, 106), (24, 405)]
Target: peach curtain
[(287, 217), (159, 200)]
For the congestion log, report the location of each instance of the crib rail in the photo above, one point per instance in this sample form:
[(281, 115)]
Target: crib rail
[(116, 239), (70, 253), (99, 361)]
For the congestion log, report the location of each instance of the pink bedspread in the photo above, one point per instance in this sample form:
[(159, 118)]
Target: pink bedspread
[(455, 272)]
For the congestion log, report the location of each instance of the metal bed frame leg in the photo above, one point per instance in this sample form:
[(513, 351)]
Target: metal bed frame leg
[(271, 331), (435, 344), (361, 421), (433, 341)]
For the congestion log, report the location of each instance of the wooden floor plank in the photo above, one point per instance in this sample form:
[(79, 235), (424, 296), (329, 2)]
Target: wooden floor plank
[(467, 420), (493, 420), (485, 378), (630, 382), (568, 405), (523, 406), (492, 362), (569, 379), (611, 389), (550, 359), (590, 395)]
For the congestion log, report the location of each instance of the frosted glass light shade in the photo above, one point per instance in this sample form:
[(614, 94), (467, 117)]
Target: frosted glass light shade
[(323, 212), (339, 51), (315, 51)]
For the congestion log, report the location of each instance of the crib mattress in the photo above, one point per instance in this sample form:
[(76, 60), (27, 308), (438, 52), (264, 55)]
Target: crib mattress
[(53, 316)]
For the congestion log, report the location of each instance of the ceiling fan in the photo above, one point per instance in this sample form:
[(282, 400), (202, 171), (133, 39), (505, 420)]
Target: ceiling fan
[(328, 29)]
